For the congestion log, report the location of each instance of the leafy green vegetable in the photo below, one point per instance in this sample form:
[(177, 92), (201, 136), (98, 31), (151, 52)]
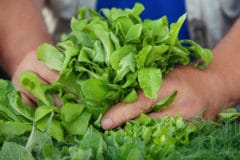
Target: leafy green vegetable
[(212, 141), (108, 56), (11, 106), (19, 152), (52, 57), (10, 129), (105, 59), (165, 102), (230, 114)]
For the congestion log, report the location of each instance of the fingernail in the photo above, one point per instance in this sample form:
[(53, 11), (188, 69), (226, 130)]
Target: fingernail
[(107, 123)]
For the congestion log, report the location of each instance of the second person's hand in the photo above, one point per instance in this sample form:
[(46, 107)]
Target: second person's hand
[(198, 93)]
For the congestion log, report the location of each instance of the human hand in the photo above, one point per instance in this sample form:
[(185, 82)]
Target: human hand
[(198, 92), (31, 63)]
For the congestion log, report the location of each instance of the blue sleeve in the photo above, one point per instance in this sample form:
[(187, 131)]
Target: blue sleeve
[(154, 9)]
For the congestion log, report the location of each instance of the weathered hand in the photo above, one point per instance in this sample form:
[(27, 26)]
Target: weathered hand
[(198, 93)]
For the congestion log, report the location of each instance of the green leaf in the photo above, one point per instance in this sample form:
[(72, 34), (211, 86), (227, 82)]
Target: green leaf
[(131, 97), (50, 56), (175, 29), (20, 153), (137, 9), (77, 25), (181, 55), (122, 26), (143, 55), (135, 154), (203, 57), (150, 80), (11, 105), (37, 141), (127, 64), (165, 102), (100, 32), (94, 90), (94, 140), (81, 38), (52, 127), (119, 54), (134, 33), (79, 126), (13, 129), (30, 81), (69, 51), (79, 154), (99, 54), (158, 29), (156, 54), (42, 112), (131, 80), (71, 111), (229, 114)]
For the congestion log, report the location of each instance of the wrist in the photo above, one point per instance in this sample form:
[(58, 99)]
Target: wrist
[(225, 65)]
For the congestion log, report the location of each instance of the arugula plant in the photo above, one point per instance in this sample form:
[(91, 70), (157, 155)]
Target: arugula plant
[(105, 59), (110, 55)]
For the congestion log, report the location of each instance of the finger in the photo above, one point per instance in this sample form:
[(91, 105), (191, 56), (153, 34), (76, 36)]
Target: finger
[(211, 114), (123, 112), (38, 67), (30, 63), (47, 74), (171, 111), (27, 100), (186, 112)]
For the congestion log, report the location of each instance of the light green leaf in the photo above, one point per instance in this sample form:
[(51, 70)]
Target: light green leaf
[(156, 54), (51, 126), (30, 81), (50, 56), (79, 126), (165, 102), (150, 80), (71, 111), (42, 112), (142, 56), (119, 54), (127, 64), (131, 97), (137, 9), (175, 29), (134, 33), (94, 90)]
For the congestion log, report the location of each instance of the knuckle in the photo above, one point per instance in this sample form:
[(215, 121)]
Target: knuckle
[(144, 103)]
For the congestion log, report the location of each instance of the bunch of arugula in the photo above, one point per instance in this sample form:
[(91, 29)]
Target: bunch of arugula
[(24, 138), (106, 58)]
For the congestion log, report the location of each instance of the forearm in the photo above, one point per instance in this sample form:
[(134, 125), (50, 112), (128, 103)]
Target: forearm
[(226, 65), (22, 29)]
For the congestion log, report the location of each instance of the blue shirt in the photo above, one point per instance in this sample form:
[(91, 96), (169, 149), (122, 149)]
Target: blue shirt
[(154, 9)]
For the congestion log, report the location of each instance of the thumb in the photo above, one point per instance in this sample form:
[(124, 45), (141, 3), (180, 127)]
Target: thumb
[(122, 112)]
